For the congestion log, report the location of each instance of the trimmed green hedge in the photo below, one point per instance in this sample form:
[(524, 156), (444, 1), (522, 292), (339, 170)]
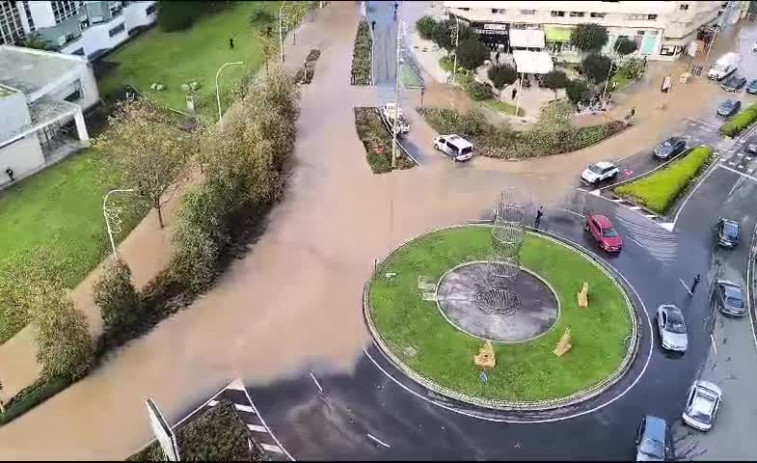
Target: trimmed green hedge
[(658, 191), (740, 121), (361, 55), (31, 396)]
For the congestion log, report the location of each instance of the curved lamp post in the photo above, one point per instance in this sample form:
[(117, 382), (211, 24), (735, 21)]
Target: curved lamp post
[(107, 219), (218, 94)]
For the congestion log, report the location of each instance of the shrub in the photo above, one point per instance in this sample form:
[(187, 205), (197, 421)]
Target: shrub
[(31, 396), (119, 302), (588, 37), (577, 91), (425, 27), (741, 121), (377, 141), (554, 80), (361, 55), (261, 16), (632, 68), (659, 190), (179, 15), (502, 75), (625, 46), (471, 53), (478, 91), (596, 67)]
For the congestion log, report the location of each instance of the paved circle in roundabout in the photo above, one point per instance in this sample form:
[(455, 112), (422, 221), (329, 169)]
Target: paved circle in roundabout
[(435, 346)]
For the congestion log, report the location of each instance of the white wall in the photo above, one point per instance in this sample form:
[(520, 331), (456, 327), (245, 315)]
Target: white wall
[(14, 114), (23, 156), (42, 14), (97, 37), (136, 15)]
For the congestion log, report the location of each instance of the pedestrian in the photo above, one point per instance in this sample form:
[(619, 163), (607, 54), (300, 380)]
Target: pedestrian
[(496, 57), (423, 92), (231, 43), (9, 173), (666, 82), (539, 214), (614, 84), (373, 25), (514, 92), (632, 113), (696, 282)]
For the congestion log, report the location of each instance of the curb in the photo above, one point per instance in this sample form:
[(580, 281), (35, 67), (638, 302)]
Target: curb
[(542, 405)]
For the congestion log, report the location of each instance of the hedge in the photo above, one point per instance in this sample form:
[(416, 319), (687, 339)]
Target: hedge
[(31, 396), (377, 141), (361, 55), (658, 191), (741, 121)]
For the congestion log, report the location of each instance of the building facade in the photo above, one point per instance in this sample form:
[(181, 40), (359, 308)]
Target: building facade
[(43, 96), (661, 29), (85, 28)]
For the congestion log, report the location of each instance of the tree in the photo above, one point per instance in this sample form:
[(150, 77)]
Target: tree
[(443, 34), (478, 91), (588, 37), (178, 15), (554, 80), (625, 46), (425, 27), (502, 75), (36, 41), (119, 302), (147, 149), (596, 67), (471, 53), (577, 91)]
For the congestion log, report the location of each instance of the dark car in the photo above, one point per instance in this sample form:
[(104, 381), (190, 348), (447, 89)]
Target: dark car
[(729, 107), (752, 87), (652, 439), (751, 145), (670, 148), (727, 232), (603, 233), (733, 83), (730, 298)]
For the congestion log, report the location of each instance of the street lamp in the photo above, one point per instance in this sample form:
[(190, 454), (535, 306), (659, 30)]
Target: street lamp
[(612, 62), (218, 94), (107, 217), (457, 42), (281, 34)]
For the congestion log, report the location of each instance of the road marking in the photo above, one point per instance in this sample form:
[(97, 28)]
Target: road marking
[(693, 190), (741, 166), (731, 163), (739, 154), (737, 172), (634, 208), (271, 448), (257, 428), (637, 243), (244, 408), (686, 286), (370, 436), (316, 383), (260, 417), (570, 212), (714, 347), (595, 192)]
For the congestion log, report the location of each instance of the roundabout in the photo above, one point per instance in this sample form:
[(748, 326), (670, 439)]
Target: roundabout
[(433, 336)]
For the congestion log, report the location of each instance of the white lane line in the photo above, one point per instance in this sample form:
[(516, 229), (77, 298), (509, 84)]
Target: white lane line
[(731, 163), (375, 439), (634, 208), (714, 348), (573, 212), (741, 166), (737, 172), (257, 428), (686, 286), (637, 243), (316, 383), (244, 408), (271, 448), (260, 417), (739, 154), (749, 278), (213, 403)]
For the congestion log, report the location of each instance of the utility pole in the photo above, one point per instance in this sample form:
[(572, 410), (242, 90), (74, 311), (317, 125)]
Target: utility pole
[(396, 97), (281, 33), (457, 42), (108, 217)]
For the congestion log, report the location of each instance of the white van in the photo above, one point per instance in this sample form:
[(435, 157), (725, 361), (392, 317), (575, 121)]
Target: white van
[(456, 147), (724, 66)]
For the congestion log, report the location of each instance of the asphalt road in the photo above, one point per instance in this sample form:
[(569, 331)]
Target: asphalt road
[(384, 41)]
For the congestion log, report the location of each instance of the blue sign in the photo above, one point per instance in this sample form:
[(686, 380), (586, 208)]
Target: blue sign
[(483, 377)]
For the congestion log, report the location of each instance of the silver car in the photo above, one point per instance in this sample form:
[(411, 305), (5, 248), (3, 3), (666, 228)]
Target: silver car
[(702, 405), (672, 328)]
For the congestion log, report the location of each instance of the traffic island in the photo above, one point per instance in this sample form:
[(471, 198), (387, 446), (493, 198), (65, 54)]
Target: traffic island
[(377, 141), (548, 354)]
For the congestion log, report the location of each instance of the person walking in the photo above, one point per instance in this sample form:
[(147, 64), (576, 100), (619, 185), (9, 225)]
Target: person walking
[(231, 43), (373, 25), (514, 92), (9, 173), (695, 283), (539, 214)]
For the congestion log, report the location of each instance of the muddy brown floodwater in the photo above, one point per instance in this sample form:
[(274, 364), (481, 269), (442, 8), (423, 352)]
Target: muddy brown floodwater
[(295, 300)]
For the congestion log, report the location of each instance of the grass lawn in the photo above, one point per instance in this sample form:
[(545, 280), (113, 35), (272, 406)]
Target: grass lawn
[(175, 58), (504, 107), (659, 190), (60, 209), (524, 372), (409, 78)]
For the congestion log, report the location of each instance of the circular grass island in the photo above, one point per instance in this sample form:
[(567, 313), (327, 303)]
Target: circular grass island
[(436, 351)]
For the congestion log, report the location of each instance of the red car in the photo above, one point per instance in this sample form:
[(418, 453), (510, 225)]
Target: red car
[(601, 229)]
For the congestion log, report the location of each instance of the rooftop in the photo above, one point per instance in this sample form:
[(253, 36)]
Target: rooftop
[(29, 70), (6, 91)]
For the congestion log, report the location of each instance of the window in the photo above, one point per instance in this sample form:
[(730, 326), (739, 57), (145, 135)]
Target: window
[(684, 7), (577, 14), (84, 24), (75, 96), (117, 30), (63, 10), (652, 17), (11, 28), (464, 9), (498, 10), (636, 17), (528, 12), (558, 14), (598, 15), (29, 18), (639, 32), (150, 9)]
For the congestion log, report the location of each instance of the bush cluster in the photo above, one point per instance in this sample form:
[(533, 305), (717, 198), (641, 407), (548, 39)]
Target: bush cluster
[(740, 121), (377, 141), (361, 55)]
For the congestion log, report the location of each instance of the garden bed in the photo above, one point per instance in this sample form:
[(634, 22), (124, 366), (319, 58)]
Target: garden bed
[(307, 71), (659, 190), (501, 142), (377, 141), (740, 122), (362, 55)]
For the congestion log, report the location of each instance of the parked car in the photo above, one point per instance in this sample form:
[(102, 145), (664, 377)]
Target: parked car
[(388, 111), (752, 87), (724, 66), (672, 328), (702, 405), (729, 107), (733, 83), (751, 145), (652, 439), (598, 172), (670, 148), (604, 234), (454, 146), (727, 232), (730, 298)]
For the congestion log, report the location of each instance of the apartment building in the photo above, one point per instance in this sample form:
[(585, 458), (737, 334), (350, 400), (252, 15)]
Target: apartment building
[(85, 28), (661, 29)]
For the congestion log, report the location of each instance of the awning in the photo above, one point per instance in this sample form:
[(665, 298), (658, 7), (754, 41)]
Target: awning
[(557, 33), (526, 38), (532, 62)]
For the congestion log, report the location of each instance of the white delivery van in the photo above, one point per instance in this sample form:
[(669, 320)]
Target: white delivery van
[(454, 146), (724, 66)]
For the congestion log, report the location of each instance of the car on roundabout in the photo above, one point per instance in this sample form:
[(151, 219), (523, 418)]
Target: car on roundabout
[(454, 146), (752, 87), (652, 439), (670, 148), (730, 298), (733, 83), (672, 328), (729, 107), (702, 405), (601, 229), (727, 233), (596, 173)]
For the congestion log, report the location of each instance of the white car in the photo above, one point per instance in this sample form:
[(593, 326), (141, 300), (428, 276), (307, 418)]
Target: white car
[(672, 328), (389, 110), (702, 405), (598, 172), (454, 146)]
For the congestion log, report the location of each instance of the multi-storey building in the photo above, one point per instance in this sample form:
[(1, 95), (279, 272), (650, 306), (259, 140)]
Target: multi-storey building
[(86, 28), (661, 29)]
